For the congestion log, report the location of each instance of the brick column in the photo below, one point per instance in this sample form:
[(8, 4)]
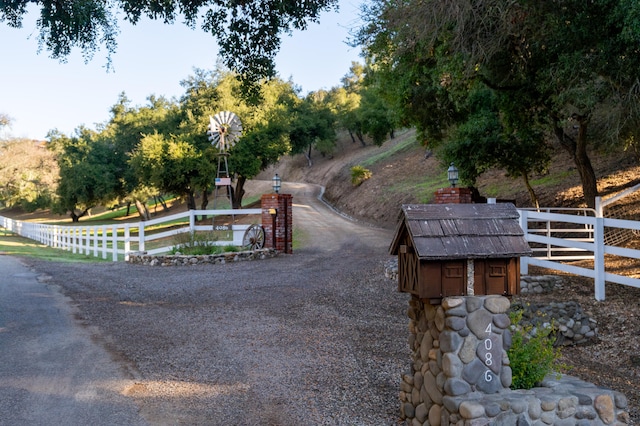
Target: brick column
[(277, 221), (453, 196)]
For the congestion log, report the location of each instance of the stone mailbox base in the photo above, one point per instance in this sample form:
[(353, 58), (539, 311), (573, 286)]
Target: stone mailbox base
[(460, 373)]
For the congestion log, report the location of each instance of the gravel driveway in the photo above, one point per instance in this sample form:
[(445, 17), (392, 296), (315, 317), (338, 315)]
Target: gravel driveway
[(315, 338)]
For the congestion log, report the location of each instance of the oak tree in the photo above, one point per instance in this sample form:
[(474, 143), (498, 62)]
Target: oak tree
[(570, 64), (248, 33)]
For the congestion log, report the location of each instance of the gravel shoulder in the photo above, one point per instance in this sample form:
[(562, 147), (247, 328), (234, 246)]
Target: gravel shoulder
[(317, 337)]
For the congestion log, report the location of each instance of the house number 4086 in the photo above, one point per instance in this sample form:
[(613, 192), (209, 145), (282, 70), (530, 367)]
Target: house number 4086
[(488, 357)]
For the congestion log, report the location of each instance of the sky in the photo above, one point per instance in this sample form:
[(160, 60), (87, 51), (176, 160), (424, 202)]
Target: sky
[(40, 94)]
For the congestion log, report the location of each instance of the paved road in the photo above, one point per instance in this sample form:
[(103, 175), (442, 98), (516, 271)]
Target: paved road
[(51, 372)]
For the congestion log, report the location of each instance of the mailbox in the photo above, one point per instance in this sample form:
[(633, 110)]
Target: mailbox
[(458, 250)]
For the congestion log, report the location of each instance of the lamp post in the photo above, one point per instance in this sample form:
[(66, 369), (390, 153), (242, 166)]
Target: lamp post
[(452, 173), (276, 183)]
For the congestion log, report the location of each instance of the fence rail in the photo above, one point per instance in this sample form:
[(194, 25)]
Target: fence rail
[(559, 244), (119, 241), (554, 235)]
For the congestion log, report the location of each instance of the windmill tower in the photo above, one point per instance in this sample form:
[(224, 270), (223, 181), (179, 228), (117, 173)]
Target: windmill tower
[(224, 131)]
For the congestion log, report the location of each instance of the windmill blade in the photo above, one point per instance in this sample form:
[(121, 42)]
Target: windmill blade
[(225, 129), (214, 135)]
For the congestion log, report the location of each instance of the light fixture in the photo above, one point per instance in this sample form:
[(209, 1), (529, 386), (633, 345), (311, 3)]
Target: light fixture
[(452, 174), (276, 183)]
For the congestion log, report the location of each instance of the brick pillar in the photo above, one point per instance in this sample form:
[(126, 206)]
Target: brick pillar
[(277, 222), (453, 196)]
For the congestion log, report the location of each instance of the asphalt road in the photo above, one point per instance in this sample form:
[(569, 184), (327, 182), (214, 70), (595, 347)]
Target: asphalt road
[(53, 372)]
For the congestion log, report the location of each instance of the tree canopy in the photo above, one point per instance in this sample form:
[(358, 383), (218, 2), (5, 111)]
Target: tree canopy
[(247, 32), (567, 68), (28, 174)]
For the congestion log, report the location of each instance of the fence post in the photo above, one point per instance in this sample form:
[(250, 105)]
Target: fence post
[(127, 241), (524, 261), (104, 242), (114, 243), (74, 239), (87, 249), (598, 258), (141, 237), (192, 222), (95, 241)]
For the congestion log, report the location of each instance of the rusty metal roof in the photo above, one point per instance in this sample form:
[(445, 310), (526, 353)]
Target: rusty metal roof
[(461, 231)]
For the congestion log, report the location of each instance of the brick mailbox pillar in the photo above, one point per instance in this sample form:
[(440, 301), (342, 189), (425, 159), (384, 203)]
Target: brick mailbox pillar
[(453, 196), (277, 222)]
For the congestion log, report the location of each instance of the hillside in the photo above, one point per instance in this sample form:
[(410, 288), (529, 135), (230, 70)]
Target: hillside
[(402, 173)]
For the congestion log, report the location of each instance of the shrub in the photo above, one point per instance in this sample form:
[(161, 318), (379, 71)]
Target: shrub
[(195, 244), (359, 174), (532, 355), (230, 248)]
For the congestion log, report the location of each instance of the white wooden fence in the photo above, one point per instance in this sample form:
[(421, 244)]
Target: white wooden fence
[(121, 240), (554, 235), (560, 237)]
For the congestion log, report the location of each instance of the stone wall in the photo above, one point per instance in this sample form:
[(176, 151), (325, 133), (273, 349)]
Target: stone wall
[(573, 325), (460, 374), (174, 260)]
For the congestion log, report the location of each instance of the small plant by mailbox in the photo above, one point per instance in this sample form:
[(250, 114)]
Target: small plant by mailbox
[(458, 250)]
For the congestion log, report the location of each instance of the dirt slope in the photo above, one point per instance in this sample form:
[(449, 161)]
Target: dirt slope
[(410, 176)]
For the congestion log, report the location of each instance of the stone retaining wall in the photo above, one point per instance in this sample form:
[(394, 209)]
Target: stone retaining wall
[(183, 259), (537, 284), (460, 374), (573, 325)]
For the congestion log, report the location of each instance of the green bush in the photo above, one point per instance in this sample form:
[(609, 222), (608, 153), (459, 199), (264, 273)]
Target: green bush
[(359, 174), (532, 355), (230, 248), (196, 244)]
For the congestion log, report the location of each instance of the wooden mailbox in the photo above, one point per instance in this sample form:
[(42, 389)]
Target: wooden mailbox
[(458, 250)]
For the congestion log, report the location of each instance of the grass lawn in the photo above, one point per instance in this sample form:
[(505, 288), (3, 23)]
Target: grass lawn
[(11, 244)]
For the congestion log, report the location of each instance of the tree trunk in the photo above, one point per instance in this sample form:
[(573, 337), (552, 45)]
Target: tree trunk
[(578, 150), (75, 218), (205, 199), (239, 192), (204, 202), (361, 138), (164, 203), (191, 201), (587, 174), (128, 208), (353, 140), (143, 211), (308, 157), (532, 193)]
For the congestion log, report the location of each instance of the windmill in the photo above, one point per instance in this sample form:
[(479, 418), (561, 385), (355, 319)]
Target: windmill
[(224, 131)]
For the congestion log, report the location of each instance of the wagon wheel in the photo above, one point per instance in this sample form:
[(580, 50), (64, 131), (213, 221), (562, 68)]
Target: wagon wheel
[(253, 237)]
